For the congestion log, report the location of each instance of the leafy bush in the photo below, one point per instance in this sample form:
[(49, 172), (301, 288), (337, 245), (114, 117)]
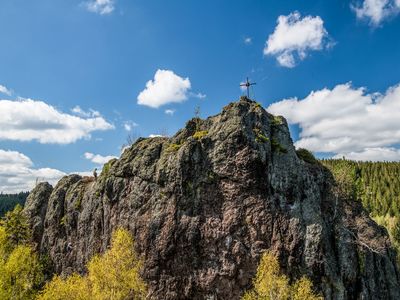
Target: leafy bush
[(198, 135), (260, 137), (276, 121), (270, 284), (306, 156), (107, 166), (173, 147)]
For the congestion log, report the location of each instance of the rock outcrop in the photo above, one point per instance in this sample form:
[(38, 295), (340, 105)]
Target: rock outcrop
[(205, 203)]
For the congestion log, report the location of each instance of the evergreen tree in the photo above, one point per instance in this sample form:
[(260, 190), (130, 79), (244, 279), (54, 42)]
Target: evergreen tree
[(16, 227), (20, 271)]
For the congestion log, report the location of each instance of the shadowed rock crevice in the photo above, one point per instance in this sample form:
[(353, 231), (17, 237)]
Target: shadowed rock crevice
[(205, 203)]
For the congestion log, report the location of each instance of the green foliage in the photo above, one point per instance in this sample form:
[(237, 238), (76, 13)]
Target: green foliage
[(107, 166), (20, 275), (260, 137), (306, 156), (73, 287), (20, 270), (376, 185), (346, 176), (258, 105), (78, 203), (276, 121), (106, 169), (198, 135), (16, 227), (271, 284), (302, 289), (277, 147), (174, 147), (64, 220), (113, 275), (392, 224), (9, 201)]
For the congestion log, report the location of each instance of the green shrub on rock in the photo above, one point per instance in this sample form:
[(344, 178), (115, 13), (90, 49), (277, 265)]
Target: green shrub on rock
[(306, 156)]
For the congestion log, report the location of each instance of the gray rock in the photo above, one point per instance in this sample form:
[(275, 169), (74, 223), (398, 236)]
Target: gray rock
[(202, 211)]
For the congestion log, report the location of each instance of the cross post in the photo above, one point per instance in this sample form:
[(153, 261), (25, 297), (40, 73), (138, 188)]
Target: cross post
[(248, 84)]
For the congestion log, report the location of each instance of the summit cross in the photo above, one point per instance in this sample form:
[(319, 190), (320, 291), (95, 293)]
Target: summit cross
[(247, 84)]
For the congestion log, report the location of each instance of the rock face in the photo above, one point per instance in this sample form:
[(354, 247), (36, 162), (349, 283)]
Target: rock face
[(204, 204)]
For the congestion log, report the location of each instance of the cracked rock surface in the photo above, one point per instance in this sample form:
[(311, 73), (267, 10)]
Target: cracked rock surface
[(202, 208)]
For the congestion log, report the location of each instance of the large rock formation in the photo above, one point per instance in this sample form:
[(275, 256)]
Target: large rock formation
[(204, 204)]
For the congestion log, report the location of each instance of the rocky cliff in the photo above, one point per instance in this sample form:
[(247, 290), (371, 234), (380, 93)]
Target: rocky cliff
[(203, 204)]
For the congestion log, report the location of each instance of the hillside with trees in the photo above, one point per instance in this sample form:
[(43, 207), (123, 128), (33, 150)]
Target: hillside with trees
[(376, 185), (9, 201)]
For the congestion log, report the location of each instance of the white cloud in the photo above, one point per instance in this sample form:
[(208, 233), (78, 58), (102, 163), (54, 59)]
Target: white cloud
[(27, 120), (97, 158), (129, 125), (375, 11), (199, 95), (5, 90), (345, 120), (167, 87), (102, 7), (17, 172), (170, 112), (295, 35), (373, 154), (247, 40), (155, 135), (80, 112)]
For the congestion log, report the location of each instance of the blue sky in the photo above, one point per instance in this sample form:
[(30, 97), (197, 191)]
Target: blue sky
[(85, 63)]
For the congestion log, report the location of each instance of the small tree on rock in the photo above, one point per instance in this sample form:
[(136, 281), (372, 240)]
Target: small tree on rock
[(270, 284)]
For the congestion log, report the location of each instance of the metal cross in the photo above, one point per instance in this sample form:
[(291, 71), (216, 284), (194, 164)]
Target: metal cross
[(248, 84)]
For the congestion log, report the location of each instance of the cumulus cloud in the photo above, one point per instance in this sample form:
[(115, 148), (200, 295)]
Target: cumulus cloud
[(170, 112), (80, 112), (155, 135), (346, 121), (97, 158), (373, 154), (129, 125), (376, 11), (247, 40), (4, 90), (17, 172), (166, 87), (198, 95), (102, 7), (27, 120), (295, 37)]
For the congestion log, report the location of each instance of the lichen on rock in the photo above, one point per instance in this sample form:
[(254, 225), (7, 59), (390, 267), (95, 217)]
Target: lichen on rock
[(202, 214)]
